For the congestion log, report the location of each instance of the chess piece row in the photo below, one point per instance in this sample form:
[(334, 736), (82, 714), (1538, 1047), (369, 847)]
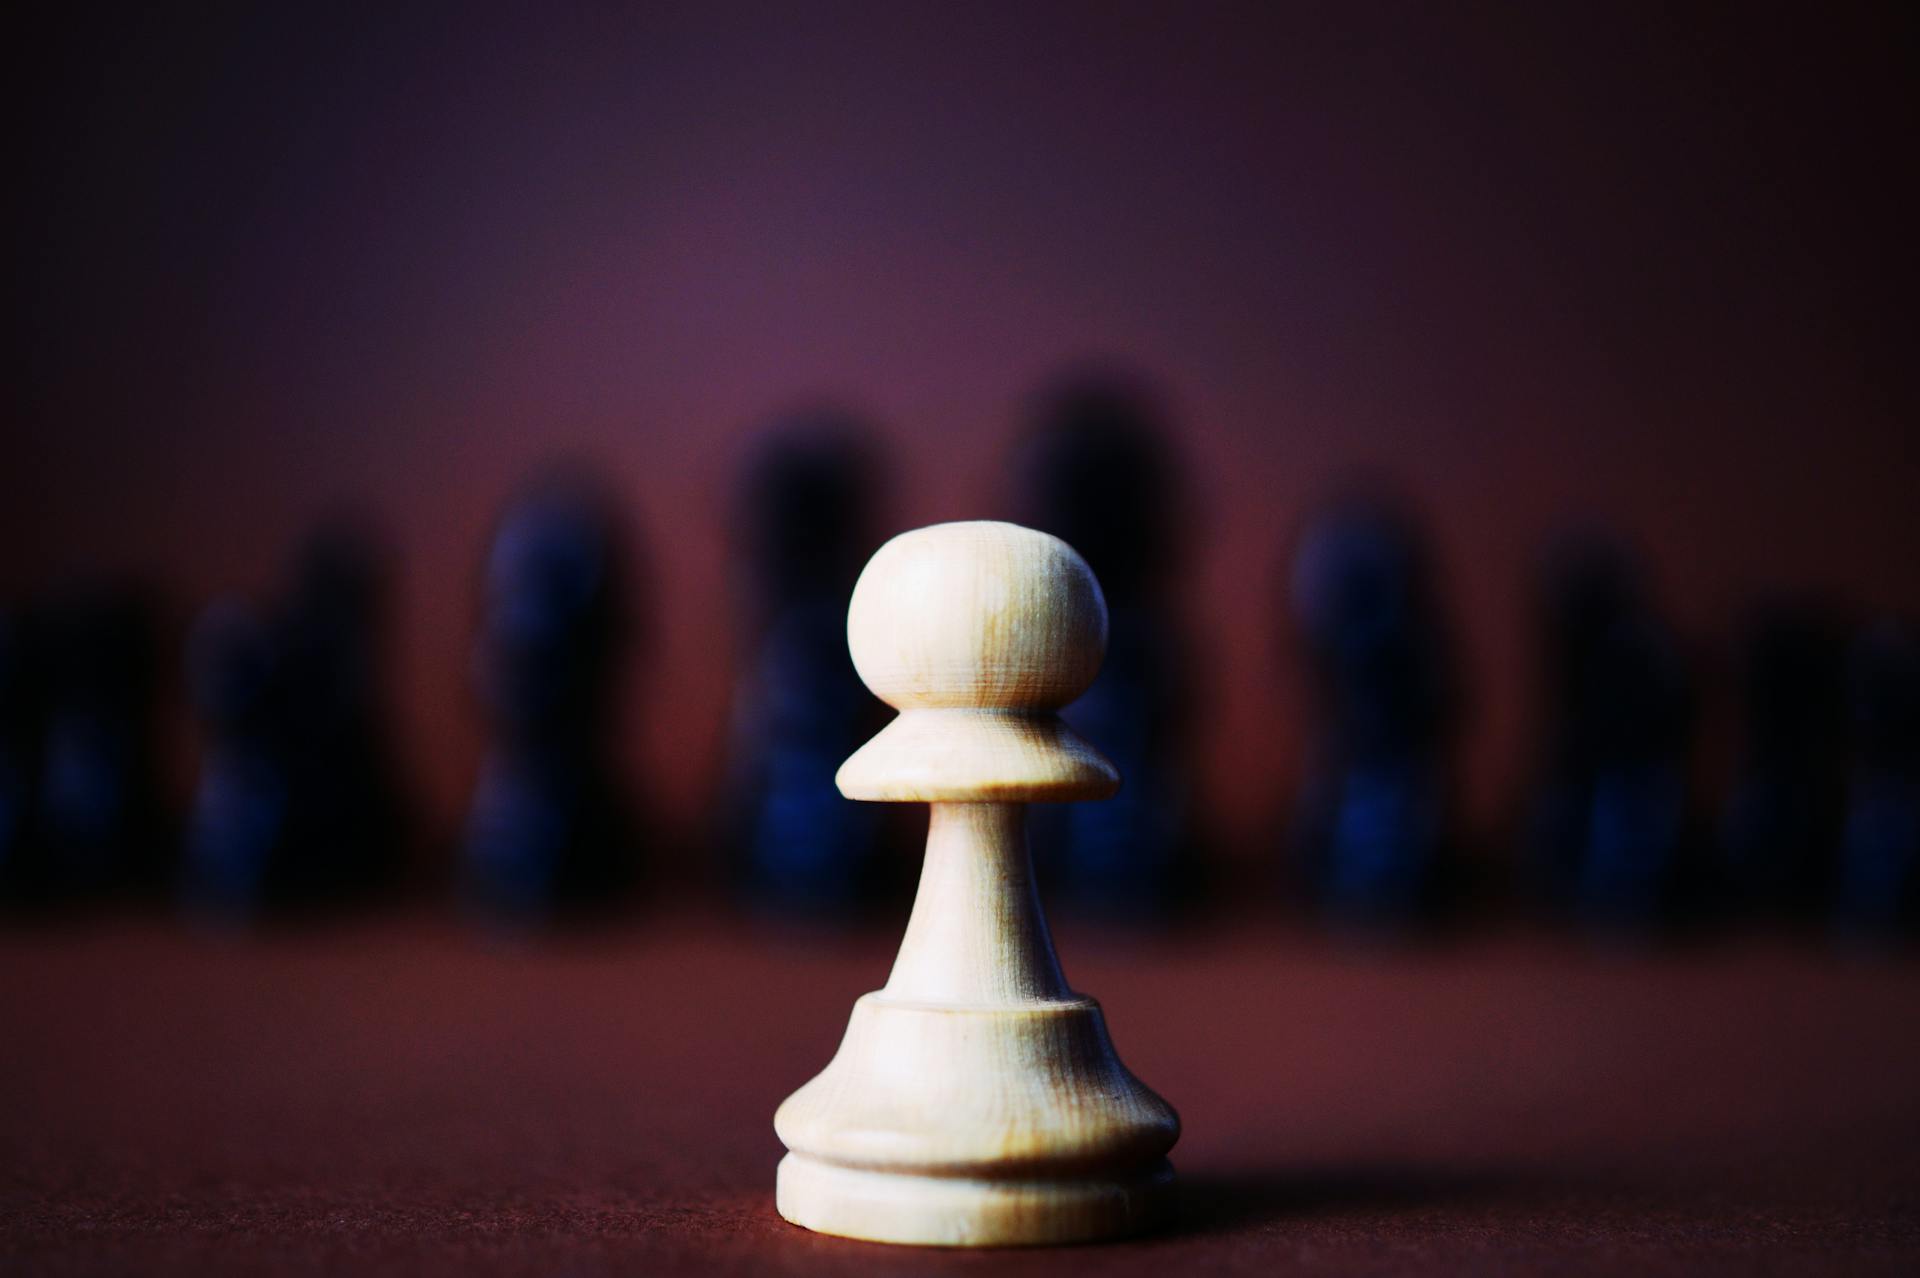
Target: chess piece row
[(300, 801)]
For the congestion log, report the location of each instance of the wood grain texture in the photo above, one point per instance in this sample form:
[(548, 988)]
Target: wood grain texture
[(981, 615), (976, 1100), (967, 756)]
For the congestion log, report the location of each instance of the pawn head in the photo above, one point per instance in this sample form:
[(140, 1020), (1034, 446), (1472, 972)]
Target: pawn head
[(977, 633), (979, 615)]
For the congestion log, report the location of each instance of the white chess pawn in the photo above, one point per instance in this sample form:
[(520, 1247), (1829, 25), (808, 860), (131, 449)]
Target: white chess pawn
[(976, 1100)]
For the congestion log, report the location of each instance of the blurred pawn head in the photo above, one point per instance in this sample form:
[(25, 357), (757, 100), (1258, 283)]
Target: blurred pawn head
[(806, 507), (554, 614), (1364, 598), (231, 664), (1098, 469)]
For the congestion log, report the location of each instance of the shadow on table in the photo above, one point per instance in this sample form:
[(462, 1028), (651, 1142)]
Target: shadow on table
[(1213, 1203)]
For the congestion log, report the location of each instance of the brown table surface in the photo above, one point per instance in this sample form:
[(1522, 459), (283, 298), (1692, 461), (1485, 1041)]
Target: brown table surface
[(395, 1096)]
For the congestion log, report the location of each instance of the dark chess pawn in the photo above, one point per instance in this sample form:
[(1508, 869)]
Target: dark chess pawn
[(97, 822), (238, 829), (803, 528), (1374, 828), (296, 806), (1096, 470), (548, 832), (1879, 883), (1783, 815), (1608, 827), (19, 734), (345, 800)]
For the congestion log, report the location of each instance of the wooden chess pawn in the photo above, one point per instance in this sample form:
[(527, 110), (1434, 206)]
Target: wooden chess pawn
[(976, 1100)]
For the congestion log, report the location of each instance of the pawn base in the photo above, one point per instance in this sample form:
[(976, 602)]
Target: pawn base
[(952, 1211)]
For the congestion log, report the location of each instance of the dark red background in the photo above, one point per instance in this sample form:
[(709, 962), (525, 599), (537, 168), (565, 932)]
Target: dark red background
[(1544, 262)]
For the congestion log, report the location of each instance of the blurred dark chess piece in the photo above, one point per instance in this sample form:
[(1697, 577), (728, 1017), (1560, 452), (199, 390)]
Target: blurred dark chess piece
[(80, 812), (1607, 831), (1374, 830), (1096, 468), (238, 829), (95, 826), (348, 797), (298, 804), (1879, 882), (1783, 816), (549, 832), (804, 524), (19, 756)]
